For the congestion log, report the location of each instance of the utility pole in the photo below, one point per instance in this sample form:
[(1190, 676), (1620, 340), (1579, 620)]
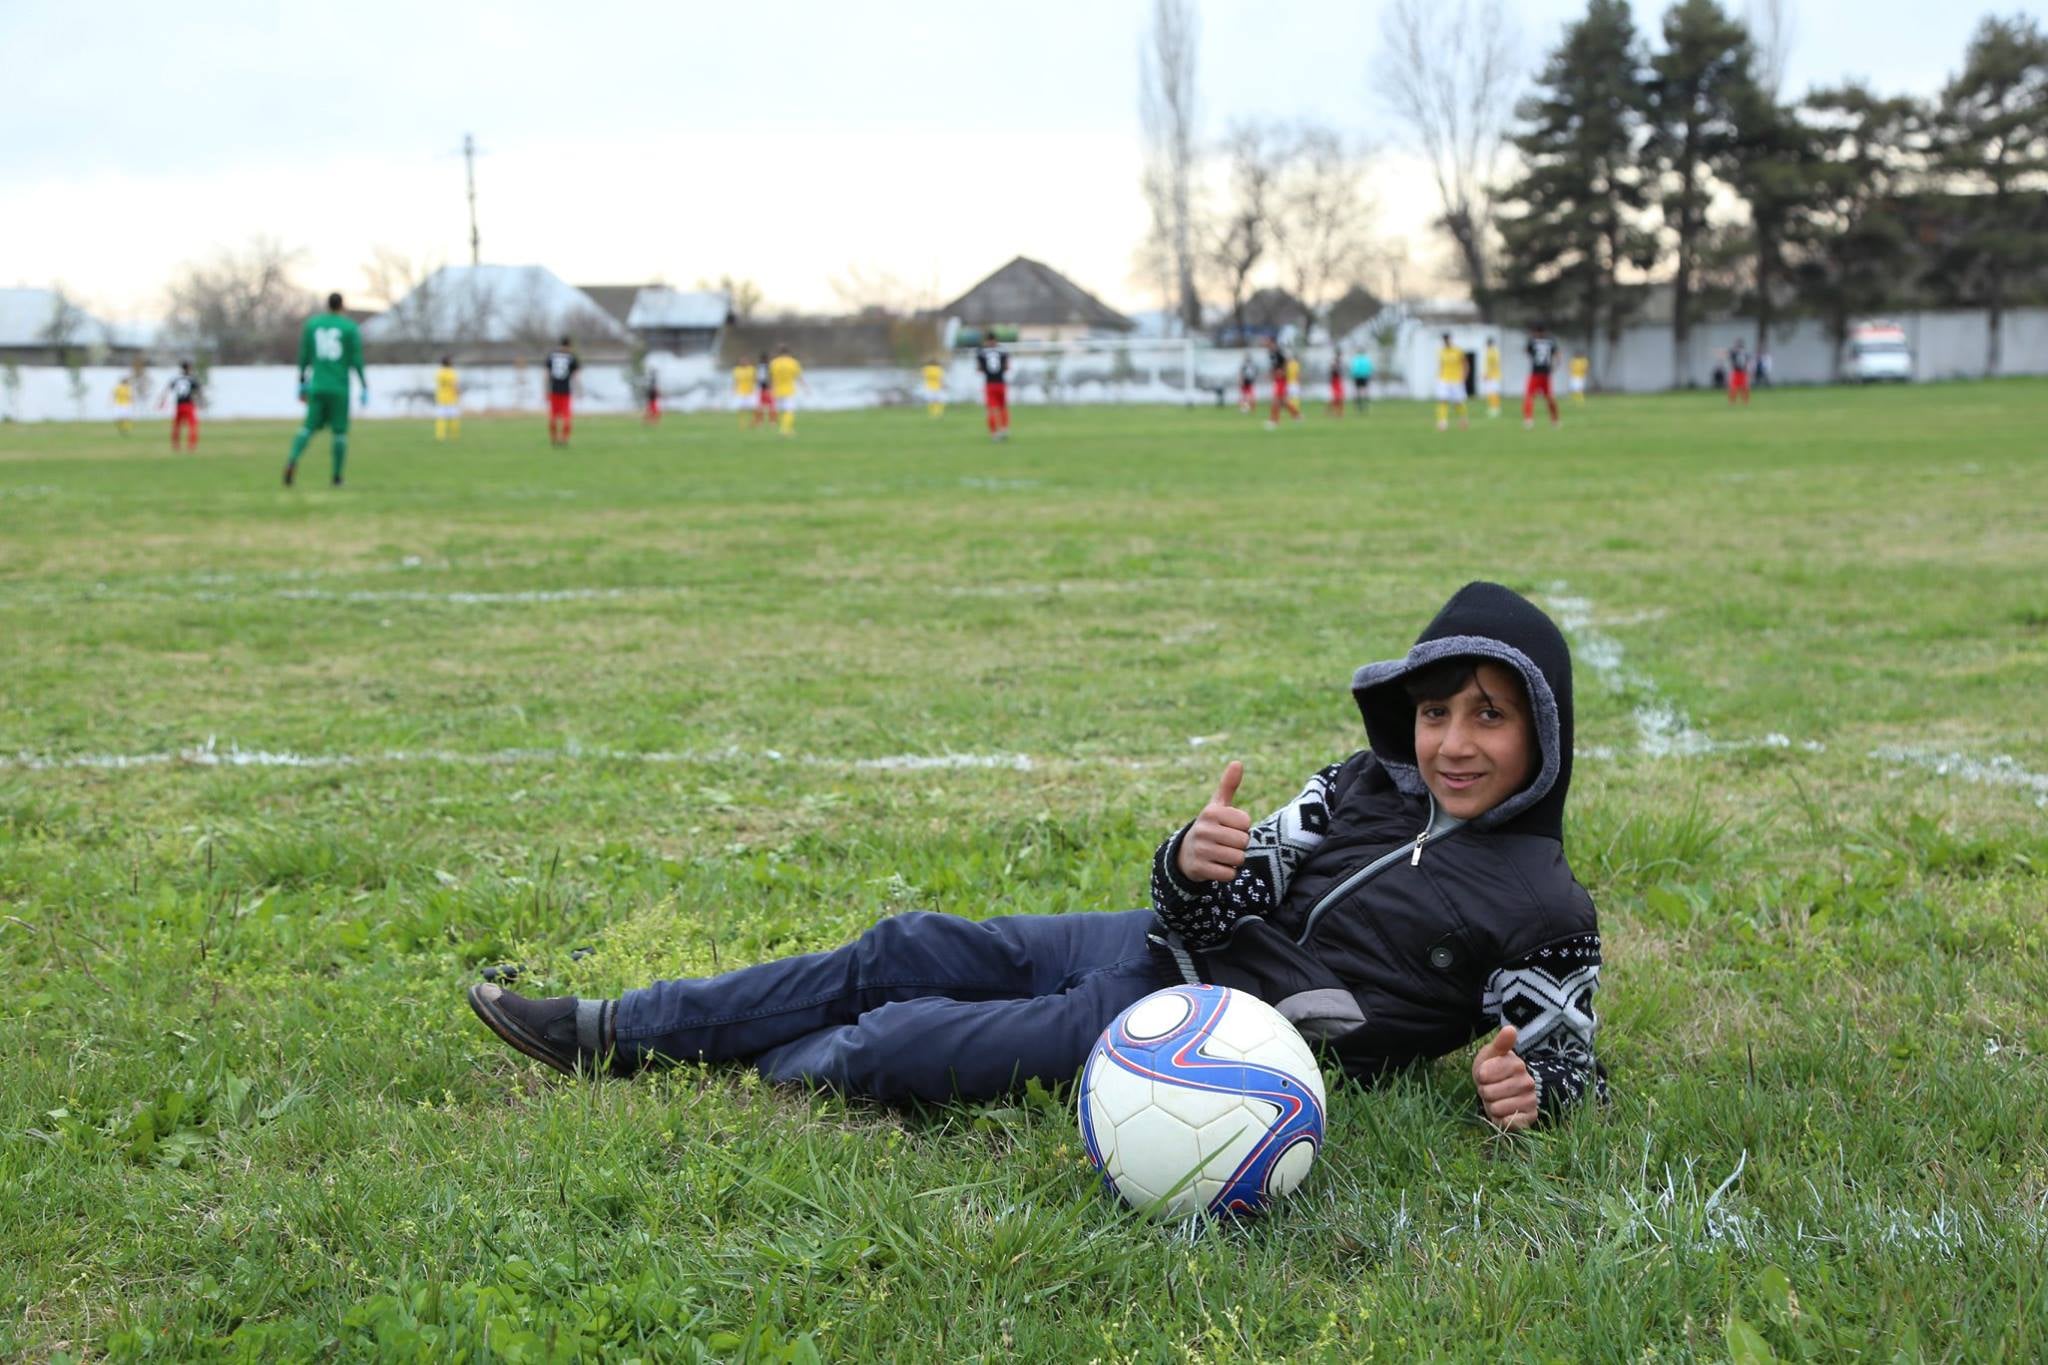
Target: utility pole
[(469, 160)]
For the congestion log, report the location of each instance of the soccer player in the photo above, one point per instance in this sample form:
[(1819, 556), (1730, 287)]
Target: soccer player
[(124, 405), (1247, 384), (1361, 382), (1283, 367), (744, 381), (1581, 363), (764, 389), (562, 366), (1489, 377), (934, 388), (1450, 385), (651, 414), (447, 403), (1542, 350), (783, 374), (183, 393), (1294, 386), (1738, 372), (329, 347), (1336, 384), (994, 363)]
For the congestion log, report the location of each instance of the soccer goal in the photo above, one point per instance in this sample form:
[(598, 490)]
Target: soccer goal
[(1182, 370)]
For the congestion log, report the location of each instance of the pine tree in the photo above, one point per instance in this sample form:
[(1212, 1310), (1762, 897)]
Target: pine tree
[(1992, 121), (1690, 104), (1859, 254), (1573, 222), (1774, 167)]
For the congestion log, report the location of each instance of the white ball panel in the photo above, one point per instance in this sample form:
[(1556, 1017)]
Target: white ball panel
[(1192, 1106), (1158, 1014), (1118, 1095)]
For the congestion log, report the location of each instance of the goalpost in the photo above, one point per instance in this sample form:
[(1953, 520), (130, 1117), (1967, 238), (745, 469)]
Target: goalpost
[(1185, 370)]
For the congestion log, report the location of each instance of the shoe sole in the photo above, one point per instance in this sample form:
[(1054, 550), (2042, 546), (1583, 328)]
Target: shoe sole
[(507, 1028)]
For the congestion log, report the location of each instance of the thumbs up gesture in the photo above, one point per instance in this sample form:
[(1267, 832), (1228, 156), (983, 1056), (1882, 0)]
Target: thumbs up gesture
[(1213, 848), (1505, 1086)]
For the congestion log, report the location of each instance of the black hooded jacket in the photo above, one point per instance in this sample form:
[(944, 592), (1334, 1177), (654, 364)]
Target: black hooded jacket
[(1391, 932)]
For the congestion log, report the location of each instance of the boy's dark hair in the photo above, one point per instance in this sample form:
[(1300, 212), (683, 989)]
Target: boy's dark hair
[(334, 302), (1446, 678)]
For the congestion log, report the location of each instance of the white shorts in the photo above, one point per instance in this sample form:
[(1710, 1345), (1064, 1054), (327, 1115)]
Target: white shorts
[(934, 395), (449, 412), (785, 402), (745, 402), (1578, 384), (1450, 390), (1489, 388)]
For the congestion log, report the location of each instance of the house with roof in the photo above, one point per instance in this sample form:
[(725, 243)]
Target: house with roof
[(46, 327), (681, 321), (495, 312), (1039, 302)]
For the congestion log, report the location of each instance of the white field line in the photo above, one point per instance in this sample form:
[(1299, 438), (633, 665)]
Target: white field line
[(2000, 770), (213, 754), (1663, 730)]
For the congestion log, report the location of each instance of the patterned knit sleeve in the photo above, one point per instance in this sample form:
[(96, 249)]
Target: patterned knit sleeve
[(1202, 912), (1548, 997)]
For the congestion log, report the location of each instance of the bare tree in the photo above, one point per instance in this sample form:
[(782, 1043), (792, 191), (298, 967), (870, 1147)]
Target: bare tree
[(1239, 237), (1772, 25), (1323, 220), (1447, 72), (879, 293), (742, 296), (1166, 109), (242, 305), (409, 288), (66, 327)]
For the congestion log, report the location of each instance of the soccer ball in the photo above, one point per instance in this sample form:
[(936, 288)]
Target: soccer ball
[(1201, 1099)]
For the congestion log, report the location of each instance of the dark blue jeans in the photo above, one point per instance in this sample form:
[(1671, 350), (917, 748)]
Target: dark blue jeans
[(921, 1006)]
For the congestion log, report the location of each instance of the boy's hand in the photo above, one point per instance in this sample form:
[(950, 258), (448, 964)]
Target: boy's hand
[(1505, 1086), (1213, 848)]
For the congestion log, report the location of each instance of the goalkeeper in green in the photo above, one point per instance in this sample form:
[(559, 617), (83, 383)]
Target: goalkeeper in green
[(329, 347)]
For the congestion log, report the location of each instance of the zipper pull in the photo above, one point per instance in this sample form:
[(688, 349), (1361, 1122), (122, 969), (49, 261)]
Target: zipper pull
[(1416, 861)]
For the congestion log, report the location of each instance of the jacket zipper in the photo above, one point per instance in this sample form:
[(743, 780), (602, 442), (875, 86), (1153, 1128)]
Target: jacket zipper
[(1374, 868)]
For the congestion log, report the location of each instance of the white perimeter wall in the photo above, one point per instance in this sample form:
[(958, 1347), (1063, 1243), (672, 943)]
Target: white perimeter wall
[(1948, 345)]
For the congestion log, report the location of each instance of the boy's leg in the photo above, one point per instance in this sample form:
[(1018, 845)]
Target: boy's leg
[(945, 1049), (906, 957)]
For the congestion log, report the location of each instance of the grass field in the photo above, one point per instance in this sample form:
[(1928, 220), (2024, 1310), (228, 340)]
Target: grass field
[(279, 771)]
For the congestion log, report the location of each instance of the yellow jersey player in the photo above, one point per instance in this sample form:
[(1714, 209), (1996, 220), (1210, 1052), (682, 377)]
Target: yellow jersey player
[(743, 393), (1294, 385), (1580, 364), (1450, 385), (1489, 377), (783, 374), (934, 389), (447, 403), (124, 405)]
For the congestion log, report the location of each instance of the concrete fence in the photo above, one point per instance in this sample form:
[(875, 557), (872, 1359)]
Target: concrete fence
[(1945, 345)]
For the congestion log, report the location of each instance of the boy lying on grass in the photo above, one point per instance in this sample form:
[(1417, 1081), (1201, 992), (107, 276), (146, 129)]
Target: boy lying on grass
[(1413, 896)]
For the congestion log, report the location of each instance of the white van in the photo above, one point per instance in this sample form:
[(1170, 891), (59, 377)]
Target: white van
[(1877, 352)]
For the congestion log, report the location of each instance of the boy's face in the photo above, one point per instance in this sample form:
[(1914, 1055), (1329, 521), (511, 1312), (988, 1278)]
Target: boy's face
[(1478, 748)]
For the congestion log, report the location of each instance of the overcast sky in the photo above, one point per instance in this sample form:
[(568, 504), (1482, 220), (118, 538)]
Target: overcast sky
[(789, 143)]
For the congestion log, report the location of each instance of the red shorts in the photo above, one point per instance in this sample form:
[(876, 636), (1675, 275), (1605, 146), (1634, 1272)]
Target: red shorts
[(997, 394), (558, 405), (1538, 383), (767, 398), (1738, 381)]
